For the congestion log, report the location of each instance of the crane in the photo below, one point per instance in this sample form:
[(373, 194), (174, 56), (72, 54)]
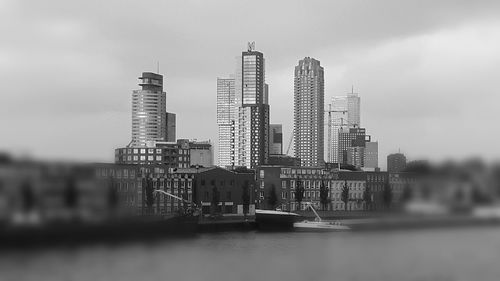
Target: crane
[(290, 142)]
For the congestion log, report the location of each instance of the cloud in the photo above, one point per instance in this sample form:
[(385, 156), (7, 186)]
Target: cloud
[(414, 63)]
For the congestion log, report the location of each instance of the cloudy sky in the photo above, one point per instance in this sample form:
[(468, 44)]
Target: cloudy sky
[(428, 72)]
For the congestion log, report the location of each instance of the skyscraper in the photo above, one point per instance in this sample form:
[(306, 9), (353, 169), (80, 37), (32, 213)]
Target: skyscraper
[(254, 115), (149, 110), (225, 120), (339, 120), (345, 113), (243, 113), (353, 110), (309, 112)]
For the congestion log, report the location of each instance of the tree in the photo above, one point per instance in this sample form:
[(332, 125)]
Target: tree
[(272, 199), (27, 196), (387, 195), (112, 194), (407, 194), (299, 193), (150, 199), (215, 199), (367, 197), (245, 197), (70, 193), (345, 195), (323, 195)]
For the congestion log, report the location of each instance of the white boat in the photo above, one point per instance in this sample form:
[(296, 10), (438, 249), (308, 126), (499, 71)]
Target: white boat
[(318, 225)]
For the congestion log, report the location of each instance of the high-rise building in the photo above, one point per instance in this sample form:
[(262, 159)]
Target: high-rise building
[(254, 112), (345, 113), (353, 110), (350, 137), (396, 162), (309, 112), (149, 122), (226, 108), (339, 120), (356, 156), (171, 127), (275, 139)]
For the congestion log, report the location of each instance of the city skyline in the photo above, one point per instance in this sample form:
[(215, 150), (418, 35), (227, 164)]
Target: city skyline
[(416, 80)]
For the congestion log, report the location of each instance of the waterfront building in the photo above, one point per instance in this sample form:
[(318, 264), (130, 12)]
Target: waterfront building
[(284, 179), (309, 112), (275, 139), (396, 162), (149, 122), (214, 189)]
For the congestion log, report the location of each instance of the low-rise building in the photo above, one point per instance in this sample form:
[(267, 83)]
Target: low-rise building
[(180, 154), (283, 181)]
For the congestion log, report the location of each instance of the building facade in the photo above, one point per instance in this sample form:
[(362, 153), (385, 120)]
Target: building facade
[(275, 139), (309, 112), (180, 154), (171, 127)]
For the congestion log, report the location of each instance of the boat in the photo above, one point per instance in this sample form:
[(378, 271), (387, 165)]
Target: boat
[(319, 225), (272, 219)]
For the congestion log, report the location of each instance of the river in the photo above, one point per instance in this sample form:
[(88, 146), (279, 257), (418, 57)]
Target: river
[(444, 254)]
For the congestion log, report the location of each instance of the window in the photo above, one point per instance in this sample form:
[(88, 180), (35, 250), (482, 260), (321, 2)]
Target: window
[(283, 184), (261, 174)]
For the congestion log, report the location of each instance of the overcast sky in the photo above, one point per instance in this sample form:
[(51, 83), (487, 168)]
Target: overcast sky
[(428, 72)]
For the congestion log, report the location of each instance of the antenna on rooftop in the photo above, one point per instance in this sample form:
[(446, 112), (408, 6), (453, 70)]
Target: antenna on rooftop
[(251, 46)]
